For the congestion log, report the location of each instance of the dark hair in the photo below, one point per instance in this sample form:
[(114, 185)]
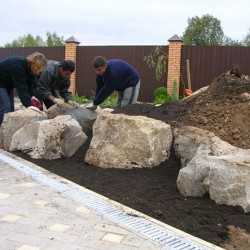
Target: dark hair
[(99, 61), (67, 65)]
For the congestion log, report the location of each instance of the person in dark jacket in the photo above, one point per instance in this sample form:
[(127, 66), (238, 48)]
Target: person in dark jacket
[(19, 73), (54, 82), (115, 75)]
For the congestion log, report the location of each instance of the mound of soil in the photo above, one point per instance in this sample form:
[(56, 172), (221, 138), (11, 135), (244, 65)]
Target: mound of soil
[(153, 192), (224, 108)]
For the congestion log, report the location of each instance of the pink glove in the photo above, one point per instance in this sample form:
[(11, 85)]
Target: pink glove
[(36, 103)]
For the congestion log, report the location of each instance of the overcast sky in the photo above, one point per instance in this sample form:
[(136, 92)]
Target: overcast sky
[(112, 22)]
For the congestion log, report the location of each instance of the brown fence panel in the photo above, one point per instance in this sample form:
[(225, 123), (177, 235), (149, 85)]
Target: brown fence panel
[(53, 53), (134, 55), (208, 62)]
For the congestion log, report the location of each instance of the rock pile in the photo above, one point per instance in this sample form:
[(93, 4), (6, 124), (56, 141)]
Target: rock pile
[(49, 139), (212, 166), (60, 132)]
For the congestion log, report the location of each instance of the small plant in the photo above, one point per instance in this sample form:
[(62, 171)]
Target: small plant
[(111, 101), (80, 99), (161, 96)]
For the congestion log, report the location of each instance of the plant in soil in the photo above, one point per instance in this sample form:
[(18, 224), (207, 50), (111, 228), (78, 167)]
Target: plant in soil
[(111, 101), (161, 96), (81, 99)]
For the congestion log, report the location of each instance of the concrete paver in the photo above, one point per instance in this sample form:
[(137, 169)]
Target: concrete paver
[(36, 217)]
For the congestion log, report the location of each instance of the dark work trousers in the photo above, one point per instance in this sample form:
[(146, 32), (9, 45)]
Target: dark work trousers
[(6, 102), (48, 103)]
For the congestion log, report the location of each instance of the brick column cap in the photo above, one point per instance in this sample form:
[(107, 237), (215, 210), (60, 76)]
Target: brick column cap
[(72, 39), (175, 38)]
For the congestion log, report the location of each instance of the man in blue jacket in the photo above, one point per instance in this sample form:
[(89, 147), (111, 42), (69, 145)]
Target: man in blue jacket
[(115, 75), (19, 73)]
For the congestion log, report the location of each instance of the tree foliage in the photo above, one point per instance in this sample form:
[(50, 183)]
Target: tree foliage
[(204, 31), (54, 40), (51, 40), (227, 41)]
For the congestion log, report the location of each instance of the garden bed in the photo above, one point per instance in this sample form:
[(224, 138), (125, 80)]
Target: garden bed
[(153, 192)]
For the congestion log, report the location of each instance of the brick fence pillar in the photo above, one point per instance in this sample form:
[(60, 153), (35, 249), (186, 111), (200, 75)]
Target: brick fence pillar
[(70, 54), (174, 63)]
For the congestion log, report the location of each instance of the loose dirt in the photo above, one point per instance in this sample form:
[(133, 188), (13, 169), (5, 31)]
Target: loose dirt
[(224, 108)]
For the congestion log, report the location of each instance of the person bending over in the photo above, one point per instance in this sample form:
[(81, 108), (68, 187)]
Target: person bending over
[(54, 82), (115, 75), (19, 73)]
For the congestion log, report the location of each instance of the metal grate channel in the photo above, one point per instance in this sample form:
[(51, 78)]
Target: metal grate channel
[(169, 240)]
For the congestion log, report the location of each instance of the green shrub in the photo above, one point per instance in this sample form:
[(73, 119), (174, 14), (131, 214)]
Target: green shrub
[(81, 99), (161, 96), (111, 101)]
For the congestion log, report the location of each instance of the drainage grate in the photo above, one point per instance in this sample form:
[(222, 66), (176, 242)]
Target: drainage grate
[(168, 239)]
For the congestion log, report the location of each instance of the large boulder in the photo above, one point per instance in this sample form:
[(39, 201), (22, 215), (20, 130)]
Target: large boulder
[(18, 105), (15, 120), (213, 166), (122, 141), (84, 116), (50, 139), (188, 140), (229, 179)]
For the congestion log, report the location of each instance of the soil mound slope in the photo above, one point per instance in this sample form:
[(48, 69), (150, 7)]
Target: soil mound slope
[(224, 109)]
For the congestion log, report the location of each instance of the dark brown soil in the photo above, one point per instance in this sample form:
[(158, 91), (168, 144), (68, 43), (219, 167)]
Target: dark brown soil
[(153, 192), (221, 109)]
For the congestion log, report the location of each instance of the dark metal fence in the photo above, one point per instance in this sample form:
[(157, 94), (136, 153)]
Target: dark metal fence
[(85, 78), (54, 53), (208, 62), (205, 63)]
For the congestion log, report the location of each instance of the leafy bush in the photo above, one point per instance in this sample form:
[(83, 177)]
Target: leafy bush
[(111, 101), (81, 99), (161, 96)]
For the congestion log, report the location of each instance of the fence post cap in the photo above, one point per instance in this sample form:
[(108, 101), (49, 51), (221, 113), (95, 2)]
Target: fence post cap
[(72, 39), (175, 38)]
